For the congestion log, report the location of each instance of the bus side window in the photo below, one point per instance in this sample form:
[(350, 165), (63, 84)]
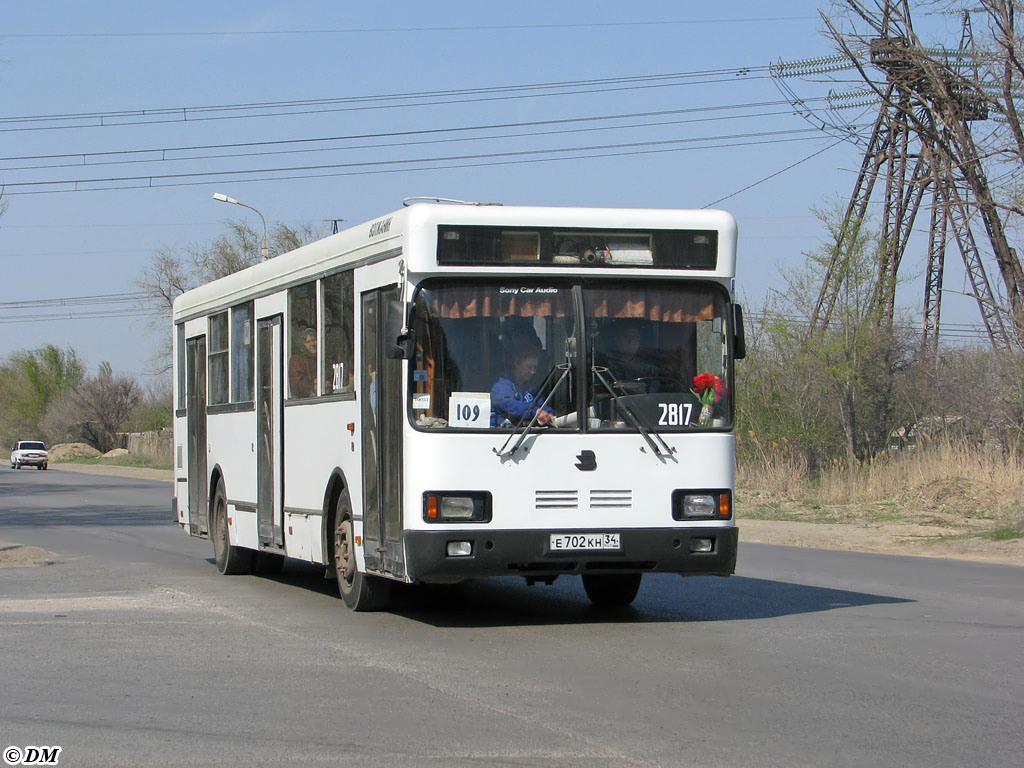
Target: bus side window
[(218, 358), (336, 334), (303, 341), (241, 353)]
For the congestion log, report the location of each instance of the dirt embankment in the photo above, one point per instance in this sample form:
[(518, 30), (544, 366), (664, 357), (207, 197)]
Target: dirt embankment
[(19, 556), (143, 473), (885, 538)]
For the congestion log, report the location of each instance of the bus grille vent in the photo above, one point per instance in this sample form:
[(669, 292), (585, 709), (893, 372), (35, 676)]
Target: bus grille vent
[(611, 499), (557, 499)]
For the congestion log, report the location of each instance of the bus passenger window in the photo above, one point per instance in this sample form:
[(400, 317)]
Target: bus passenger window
[(241, 353), (303, 343), (336, 335), (218, 357)]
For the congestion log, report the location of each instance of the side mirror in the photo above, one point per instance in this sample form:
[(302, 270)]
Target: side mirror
[(739, 336), (398, 337)]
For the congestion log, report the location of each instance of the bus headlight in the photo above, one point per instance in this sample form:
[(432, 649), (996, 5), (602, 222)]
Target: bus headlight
[(457, 507), (701, 505)]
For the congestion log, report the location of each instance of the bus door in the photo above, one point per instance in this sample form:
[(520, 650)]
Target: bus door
[(381, 396), (269, 427), (195, 407)]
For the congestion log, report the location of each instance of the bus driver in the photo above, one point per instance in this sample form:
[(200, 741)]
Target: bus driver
[(623, 359), (513, 399)]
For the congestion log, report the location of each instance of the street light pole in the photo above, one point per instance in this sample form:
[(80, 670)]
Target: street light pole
[(263, 245)]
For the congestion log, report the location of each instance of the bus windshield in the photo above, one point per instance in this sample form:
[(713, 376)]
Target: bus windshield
[(496, 354)]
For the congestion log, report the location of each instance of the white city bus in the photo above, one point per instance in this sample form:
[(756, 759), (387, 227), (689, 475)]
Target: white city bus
[(454, 391)]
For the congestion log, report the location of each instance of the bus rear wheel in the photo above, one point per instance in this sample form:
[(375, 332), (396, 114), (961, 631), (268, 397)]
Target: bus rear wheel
[(231, 560), (612, 588), (360, 591)]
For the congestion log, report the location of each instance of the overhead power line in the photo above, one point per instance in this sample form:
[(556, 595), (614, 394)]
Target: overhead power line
[(93, 307), (411, 164), (75, 308), (392, 30), (773, 175), (369, 102), (167, 154), (70, 301), (76, 315)]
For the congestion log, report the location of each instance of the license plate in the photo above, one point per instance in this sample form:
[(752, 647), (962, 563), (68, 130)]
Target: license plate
[(563, 541)]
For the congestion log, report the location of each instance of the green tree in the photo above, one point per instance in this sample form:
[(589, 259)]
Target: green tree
[(29, 382), (92, 411), (154, 410), (836, 393)]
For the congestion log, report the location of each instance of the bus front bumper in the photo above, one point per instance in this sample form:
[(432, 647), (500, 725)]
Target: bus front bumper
[(686, 551)]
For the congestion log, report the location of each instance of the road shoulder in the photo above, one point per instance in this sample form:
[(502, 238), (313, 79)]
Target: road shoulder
[(142, 473), (883, 538)]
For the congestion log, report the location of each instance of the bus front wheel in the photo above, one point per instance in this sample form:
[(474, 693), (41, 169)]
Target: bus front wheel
[(231, 560), (360, 591), (612, 588)]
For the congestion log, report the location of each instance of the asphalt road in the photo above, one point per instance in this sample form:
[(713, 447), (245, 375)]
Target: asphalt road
[(132, 650)]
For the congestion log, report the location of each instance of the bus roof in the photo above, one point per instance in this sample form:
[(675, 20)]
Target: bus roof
[(412, 230)]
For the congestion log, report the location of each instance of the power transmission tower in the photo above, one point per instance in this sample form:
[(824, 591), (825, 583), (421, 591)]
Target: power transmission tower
[(922, 148)]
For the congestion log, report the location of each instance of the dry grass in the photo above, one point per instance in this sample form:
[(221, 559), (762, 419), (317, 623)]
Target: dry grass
[(956, 487)]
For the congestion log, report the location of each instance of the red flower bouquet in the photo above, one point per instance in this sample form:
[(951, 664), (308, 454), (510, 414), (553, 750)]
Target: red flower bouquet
[(709, 389)]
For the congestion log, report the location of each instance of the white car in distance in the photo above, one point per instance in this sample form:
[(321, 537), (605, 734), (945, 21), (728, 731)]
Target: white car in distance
[(29, 453)]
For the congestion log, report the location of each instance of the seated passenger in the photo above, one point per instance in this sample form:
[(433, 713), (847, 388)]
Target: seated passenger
[(621, 357), (302, 367), (513, 396)]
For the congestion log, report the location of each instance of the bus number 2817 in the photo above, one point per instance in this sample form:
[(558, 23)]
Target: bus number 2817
[(675, 414)]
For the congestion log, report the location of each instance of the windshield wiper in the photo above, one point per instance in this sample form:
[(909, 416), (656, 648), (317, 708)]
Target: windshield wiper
[(564, 368), (654, 440)]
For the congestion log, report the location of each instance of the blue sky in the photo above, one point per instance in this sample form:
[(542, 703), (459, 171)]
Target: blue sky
[(671, 98)]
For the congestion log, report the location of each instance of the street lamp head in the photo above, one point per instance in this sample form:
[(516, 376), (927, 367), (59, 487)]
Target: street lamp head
[(263, 245)]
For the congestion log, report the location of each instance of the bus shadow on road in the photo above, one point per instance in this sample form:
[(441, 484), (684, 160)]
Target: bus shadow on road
[(508, 601), (662, 598)]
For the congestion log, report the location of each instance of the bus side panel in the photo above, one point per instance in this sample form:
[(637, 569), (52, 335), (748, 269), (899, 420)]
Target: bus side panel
[(231, 439), (186, 383), (316, 441), (180, 477)]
